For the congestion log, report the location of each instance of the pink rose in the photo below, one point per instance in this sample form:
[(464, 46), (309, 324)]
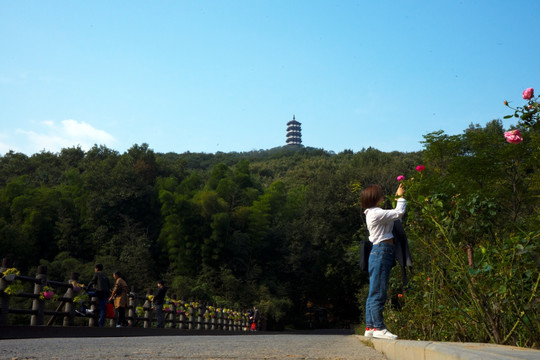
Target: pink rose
[(513, 136), (420, 168), (528, 93), (400, 178)]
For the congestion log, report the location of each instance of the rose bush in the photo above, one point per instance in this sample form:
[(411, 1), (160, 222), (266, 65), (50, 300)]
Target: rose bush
[(473, 228), (529, 114)]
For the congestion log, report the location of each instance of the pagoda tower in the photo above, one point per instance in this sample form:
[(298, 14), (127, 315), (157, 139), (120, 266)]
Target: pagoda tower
[(294, 132)]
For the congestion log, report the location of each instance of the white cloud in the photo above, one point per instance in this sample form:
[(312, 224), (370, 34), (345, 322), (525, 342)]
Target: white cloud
[(84, 130), (68, 133)]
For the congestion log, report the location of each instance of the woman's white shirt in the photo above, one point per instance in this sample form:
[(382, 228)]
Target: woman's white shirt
[(380, 223)]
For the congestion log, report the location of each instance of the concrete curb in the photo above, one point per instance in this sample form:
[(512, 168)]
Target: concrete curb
[(431, 350)]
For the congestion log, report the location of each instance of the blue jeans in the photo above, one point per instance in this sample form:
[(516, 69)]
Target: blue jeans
[(159, 315), (102, 300), (381, 260), (102, 309)]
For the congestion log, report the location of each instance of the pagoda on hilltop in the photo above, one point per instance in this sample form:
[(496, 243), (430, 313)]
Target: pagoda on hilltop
[(294, 132)]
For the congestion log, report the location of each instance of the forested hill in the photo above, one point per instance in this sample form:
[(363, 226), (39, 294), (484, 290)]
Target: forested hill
[(277, 228), (274, 227)]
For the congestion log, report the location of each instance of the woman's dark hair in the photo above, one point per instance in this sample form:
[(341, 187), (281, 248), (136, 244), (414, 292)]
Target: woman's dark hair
[(119, 274), (370, 196)]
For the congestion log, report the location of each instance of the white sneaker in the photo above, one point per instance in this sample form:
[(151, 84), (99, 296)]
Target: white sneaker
[(369, 332), (384, 334)]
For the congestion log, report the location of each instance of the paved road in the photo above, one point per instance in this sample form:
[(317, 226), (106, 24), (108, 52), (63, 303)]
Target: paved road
[(286, 346)]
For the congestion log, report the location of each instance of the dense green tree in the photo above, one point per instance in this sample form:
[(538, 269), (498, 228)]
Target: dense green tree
[(13, 165)]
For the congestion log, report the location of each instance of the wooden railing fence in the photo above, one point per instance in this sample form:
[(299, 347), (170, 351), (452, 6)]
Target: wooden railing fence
[(179, 314)]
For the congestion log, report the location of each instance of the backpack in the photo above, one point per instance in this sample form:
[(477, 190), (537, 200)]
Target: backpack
[(365, 249)]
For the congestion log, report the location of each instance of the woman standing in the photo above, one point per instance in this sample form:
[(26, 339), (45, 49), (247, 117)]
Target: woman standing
[(120, 297), (380, 224)]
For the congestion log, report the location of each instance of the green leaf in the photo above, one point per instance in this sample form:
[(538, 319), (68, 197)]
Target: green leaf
[(487, 268)]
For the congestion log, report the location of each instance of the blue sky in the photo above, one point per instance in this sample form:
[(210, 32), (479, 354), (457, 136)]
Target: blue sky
[(208, 76)]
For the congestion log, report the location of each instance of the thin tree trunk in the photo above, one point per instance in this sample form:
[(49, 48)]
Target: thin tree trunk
[(470, 255)]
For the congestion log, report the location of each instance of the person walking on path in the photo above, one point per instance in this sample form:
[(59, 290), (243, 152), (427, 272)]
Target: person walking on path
[(101, 289), (158, 301), (119, 297), (380, 224)]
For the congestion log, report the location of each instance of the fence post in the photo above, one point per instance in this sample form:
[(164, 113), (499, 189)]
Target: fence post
[(226, 319), (206, 316), (219, 315), (182, 315), (147, 311), (69, 320), (199, 314), (38, 305), (93, 321), (132, 313), (213, 316), (221, 321), (4, 298), (172, 314), (191, 312)]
